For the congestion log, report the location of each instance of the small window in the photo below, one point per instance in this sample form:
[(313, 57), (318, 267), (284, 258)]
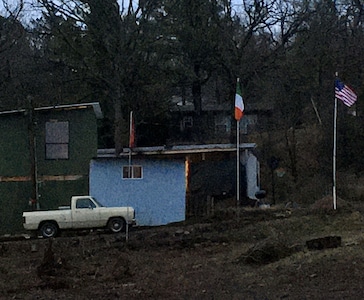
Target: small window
[(57, 140), (187, 122), (132, 172)]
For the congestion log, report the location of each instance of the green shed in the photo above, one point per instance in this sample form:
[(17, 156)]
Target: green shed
[(44, 158)]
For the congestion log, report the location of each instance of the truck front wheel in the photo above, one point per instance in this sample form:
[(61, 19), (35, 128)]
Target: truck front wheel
[(49, 229), (116, 225)]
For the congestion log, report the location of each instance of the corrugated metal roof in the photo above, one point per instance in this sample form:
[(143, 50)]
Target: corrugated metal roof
[(95, 105), (177, 149)]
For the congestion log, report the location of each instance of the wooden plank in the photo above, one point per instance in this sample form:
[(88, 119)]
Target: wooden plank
[(41, 178)]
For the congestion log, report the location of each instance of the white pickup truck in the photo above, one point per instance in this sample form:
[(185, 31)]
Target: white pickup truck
[(85, 212)]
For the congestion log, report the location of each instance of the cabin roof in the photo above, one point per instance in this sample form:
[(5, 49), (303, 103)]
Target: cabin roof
[(174, 150), (95, 105)]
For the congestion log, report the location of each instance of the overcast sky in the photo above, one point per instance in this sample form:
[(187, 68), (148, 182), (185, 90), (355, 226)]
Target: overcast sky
[(32, 10)]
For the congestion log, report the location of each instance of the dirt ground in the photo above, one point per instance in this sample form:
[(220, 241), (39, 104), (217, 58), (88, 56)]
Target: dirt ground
[(250, 254)]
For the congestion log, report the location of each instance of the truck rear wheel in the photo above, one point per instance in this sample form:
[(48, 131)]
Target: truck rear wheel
[(116, 225), (49, 229)]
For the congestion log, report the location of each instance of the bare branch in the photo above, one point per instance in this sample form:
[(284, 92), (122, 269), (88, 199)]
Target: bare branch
[(13, 8)]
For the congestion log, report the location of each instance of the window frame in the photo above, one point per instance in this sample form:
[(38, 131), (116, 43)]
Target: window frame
[(90, 205), (187, 122), (136, 172), (57, 140)]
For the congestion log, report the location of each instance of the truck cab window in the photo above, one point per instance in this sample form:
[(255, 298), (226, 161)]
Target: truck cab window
[(85, 203)]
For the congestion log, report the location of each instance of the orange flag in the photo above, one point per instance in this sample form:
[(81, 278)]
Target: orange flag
[(132, 131)]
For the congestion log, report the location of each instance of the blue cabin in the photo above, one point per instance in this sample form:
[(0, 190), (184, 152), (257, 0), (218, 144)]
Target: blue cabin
[(154, 187), (170, 184)]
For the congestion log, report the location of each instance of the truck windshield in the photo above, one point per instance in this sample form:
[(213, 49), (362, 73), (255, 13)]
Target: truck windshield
[(97, 202)]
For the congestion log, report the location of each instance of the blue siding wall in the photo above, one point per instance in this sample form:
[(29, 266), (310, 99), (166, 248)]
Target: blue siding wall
[(158, 198)]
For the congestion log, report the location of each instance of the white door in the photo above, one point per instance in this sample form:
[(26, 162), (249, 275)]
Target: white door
[(86, 214)]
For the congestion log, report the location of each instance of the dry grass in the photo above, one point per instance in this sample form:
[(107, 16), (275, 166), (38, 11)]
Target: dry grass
[(260, 255)]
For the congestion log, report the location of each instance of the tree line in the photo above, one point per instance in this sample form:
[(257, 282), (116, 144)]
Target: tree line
[(136, 57)]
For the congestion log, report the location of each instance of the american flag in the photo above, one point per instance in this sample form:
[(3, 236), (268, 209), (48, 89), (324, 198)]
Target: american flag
[(344, 93)]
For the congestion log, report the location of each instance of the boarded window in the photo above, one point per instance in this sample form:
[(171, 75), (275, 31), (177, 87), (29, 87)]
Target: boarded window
[(57, 140), (132, 172)]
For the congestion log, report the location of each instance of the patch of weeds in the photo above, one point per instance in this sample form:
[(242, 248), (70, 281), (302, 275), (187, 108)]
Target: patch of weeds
[(265, 254), (4, 270), (267, 251)]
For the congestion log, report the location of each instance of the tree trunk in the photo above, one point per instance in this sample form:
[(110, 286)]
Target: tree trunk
[(197, 102), (118, 122), (196, 94), (291, 146)]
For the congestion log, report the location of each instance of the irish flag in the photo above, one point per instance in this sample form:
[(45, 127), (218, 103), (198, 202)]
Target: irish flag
[(239, 104)]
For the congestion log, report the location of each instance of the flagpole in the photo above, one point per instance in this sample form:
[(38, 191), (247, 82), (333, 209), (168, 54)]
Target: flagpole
[(239, 111), (130, 140), (237, 165), (334, 156), (131, 144), (348, 97)]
